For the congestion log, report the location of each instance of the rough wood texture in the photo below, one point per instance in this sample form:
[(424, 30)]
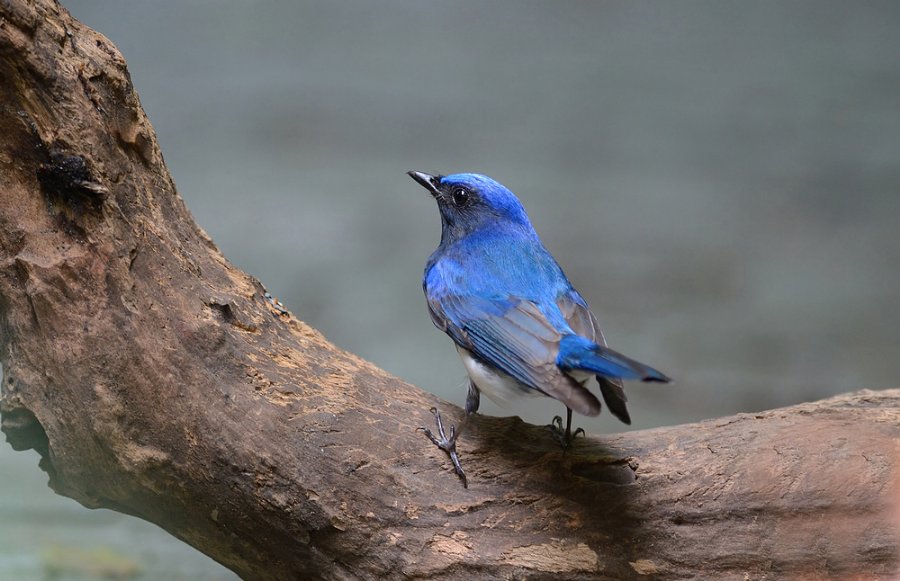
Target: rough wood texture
[(154, 379)]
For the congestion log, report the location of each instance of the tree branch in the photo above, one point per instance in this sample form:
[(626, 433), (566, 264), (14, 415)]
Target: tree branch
[(155, 379)]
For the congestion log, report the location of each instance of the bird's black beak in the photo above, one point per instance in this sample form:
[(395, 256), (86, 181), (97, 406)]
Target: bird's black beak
[(428, 181)]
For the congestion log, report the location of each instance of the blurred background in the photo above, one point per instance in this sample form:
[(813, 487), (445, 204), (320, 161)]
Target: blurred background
[(720, 179)]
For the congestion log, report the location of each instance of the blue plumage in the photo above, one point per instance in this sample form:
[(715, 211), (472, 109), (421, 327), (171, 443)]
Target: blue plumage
[(518, 324), (577, 352)]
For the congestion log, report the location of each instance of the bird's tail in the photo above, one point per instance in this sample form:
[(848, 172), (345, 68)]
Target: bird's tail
[(614, 395), (577, 352)]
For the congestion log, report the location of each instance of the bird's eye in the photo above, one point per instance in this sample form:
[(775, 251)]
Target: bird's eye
[(460, 197)]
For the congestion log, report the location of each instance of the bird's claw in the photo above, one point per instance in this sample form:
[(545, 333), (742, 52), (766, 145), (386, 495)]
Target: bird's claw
[(564, 435), (445, 443), (555, 424)]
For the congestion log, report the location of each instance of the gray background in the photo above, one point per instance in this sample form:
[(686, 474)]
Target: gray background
[(719, 179)]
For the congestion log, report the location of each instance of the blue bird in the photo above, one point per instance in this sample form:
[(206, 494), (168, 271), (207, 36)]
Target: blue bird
[(518, 324)]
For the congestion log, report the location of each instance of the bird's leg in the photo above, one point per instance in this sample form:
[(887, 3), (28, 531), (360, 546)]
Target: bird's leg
[(569, 435), (448, 444), (565, 437)]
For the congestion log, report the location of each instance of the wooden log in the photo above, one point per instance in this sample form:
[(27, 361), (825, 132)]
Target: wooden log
[(156, 379)]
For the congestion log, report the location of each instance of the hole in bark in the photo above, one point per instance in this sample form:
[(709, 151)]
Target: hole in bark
[(71, 191), (231, 314), (223, 309), (68, 178)]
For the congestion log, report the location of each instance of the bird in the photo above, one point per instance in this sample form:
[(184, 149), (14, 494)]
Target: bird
[(518, 324)]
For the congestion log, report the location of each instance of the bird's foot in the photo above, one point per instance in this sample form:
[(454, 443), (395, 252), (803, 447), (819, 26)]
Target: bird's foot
[(447, 443), (564, 435)]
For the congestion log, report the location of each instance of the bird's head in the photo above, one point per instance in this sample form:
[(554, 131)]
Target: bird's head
[(470, 202)]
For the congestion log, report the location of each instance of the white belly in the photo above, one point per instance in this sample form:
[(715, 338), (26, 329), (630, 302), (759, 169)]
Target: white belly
[(500, 387)]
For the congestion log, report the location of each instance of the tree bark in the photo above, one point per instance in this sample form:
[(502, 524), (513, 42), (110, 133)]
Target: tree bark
[(156, 379)]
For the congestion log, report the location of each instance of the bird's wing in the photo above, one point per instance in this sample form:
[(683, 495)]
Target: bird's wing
[(512, 335), (509, 334), (580, 318)]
